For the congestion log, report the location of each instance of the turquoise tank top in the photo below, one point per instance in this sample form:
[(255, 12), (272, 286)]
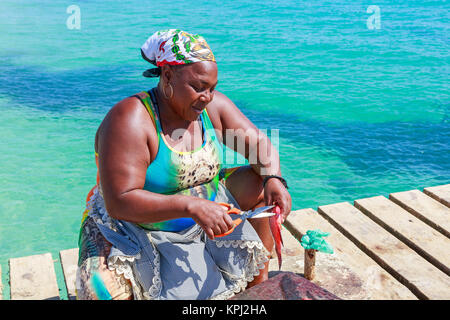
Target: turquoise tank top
[(194, 173)]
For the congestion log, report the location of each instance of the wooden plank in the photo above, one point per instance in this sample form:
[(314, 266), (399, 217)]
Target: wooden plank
[(425, 208), (376, 282), (69, 263), (331, 273), (408, 267), (426, 241), (289, 252), (440, 193), (33, 278)]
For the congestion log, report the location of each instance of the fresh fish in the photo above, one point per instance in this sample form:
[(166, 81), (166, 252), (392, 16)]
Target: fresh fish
[(275, 228)]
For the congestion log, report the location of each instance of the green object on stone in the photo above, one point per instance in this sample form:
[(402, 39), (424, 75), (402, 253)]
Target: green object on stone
[(313, 239)]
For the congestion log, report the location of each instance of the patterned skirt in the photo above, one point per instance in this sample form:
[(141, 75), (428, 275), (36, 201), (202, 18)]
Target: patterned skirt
[(170, 265)]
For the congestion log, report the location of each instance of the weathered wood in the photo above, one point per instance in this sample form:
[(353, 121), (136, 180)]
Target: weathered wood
[(369, 262), (33, 278), (421, 277), (419, 236), (289, 252), (440, 193), (310, 264), (425, 208), (331, 273), (69, 263), (376, 283)]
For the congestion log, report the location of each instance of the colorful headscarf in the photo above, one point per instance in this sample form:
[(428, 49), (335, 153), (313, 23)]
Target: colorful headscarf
[(174, 47)]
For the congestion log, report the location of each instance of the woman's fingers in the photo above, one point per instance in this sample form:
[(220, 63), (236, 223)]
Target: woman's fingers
[(214, 219), (268, 199), (285, 206), (225, 221), (226, 224), (228, 221), (280, 199), (209, 233), (276, 194)]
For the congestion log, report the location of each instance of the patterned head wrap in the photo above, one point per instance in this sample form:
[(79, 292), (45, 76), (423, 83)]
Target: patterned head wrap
[(174, 47)]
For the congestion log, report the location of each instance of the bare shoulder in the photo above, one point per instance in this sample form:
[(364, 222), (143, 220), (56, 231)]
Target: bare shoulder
[(127, 122), (129, 111)]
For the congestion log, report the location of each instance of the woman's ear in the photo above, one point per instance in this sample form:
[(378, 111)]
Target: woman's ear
[(166, 73)]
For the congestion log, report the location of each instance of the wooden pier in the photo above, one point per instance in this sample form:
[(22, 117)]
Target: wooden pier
[(392, 248)]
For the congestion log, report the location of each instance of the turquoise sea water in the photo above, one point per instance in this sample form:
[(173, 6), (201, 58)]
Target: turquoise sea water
[(361, 112)]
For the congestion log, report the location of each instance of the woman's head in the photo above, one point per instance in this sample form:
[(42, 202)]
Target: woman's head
[(189, 88), (187, 69)]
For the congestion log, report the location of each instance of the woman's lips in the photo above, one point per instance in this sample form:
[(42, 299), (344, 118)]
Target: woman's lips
[(197, 109)]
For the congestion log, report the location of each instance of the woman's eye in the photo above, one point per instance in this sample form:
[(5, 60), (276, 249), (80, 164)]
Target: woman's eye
[(202, 89), (196, 89)]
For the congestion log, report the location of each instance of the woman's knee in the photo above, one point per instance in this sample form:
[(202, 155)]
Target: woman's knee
[(246, 187)]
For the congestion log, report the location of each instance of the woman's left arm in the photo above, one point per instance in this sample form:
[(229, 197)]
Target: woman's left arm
[(241, 135)]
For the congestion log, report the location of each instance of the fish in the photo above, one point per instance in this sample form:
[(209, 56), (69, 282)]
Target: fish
[(275, 227)]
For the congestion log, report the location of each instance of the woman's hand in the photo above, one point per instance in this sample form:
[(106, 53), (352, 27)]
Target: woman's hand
[(210, 216), (276, 194)]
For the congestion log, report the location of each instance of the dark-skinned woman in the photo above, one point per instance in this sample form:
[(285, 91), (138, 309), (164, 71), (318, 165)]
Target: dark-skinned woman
[(151, 225)]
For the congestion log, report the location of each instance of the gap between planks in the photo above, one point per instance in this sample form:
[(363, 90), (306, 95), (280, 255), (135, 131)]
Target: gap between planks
[(425, 208), (34, 277), (439, 193), (69, 263), (409, 268), (377, 283), (419, 236)]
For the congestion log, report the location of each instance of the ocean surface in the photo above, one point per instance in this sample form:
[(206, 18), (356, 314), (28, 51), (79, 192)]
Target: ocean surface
[(360, 97)]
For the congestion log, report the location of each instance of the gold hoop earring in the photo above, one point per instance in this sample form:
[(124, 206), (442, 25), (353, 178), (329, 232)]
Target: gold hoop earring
[(171, 92)]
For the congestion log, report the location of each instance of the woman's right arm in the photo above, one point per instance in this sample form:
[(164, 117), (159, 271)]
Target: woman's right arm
[(124, 144)]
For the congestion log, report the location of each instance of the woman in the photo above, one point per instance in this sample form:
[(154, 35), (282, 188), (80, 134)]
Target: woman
[(151, 223)]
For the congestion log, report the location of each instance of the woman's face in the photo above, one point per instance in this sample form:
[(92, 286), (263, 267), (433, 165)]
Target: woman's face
[(193, 87)]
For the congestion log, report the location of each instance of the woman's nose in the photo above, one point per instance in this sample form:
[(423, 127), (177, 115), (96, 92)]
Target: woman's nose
[(206, 97)]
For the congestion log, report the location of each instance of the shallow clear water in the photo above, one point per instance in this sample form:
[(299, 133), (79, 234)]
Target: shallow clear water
[(361, 112)]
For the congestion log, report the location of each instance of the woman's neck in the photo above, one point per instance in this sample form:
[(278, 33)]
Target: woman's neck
[(167, 111), (168, 114), (171, 121)]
